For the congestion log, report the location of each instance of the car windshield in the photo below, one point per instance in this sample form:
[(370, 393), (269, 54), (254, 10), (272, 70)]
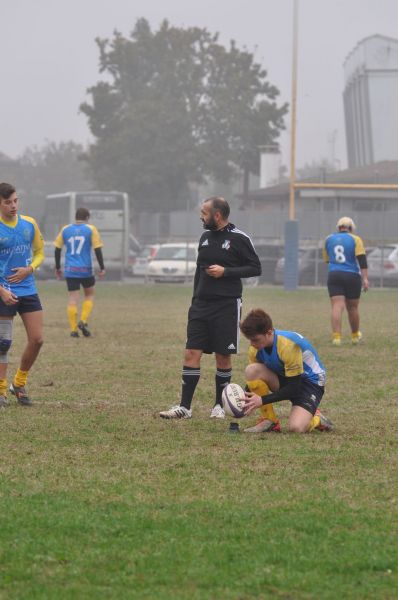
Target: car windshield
[(381, 251), (146, 252), (176, 253)]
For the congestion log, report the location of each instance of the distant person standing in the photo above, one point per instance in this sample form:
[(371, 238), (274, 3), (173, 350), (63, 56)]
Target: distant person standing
[(225, 255), (348, 275), (79, 238), (21, 252)]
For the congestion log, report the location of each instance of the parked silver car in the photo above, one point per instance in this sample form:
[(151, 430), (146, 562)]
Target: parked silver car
[(140, 262), (383, 265)]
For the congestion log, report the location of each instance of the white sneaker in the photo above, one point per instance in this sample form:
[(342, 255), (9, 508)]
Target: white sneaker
[(264, 425), (218, 412), (176, 412)]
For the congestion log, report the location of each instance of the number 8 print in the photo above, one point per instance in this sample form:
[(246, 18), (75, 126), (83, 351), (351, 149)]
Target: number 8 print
[(339, 254)]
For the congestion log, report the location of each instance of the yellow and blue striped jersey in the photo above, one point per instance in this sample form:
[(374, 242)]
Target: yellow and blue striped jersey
[(21, 245), (341, 250), (79, 239), (292, 354)]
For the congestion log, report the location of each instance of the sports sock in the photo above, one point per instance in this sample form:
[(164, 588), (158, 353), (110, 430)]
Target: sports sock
[(259, 387), (223, 378), (356, 335), (336, 335), (72, 316), (190, 378), (3, 387), (87, 307), (315, 421), (20, 378)]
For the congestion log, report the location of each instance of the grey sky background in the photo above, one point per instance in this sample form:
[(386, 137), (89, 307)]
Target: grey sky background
[(48, 59)]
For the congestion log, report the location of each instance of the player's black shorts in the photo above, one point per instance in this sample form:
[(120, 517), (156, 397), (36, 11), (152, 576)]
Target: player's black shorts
[(213, 326), (25, 304), (343, 283), (308, 395), (74, 283)]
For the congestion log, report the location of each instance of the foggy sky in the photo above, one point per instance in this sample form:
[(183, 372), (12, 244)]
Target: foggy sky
[(48, 59)]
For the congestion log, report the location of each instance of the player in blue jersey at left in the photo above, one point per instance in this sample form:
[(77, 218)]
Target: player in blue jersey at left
[(289, 368), (79, 238), (21, 252), (348, 275)]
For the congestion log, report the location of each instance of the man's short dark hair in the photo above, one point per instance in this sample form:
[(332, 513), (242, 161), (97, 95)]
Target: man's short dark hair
[(220, 204), (6, 190), (82, 214), (256, 322)]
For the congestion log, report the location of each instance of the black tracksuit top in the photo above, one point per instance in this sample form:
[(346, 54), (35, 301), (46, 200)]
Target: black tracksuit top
[(233, 250)]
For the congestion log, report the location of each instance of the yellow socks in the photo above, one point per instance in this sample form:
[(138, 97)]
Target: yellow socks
[(20, 378), (72, 316), (87, 307), (3, 387), (315, 421), (336, 339), (259, 387)]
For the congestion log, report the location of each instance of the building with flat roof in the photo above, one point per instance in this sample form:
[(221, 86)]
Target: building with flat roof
[(370, 101)]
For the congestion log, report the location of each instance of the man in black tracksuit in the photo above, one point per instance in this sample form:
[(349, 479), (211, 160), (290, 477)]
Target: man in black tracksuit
[(225, 255)]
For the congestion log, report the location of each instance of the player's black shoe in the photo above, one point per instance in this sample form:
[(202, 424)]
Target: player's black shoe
[(84, 329), (74, 334), (21, 395)]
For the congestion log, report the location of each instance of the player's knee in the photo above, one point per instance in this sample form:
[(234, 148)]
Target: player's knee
[(192, 357), (297, 428), (5, 339), (251, 372), (38, 341)]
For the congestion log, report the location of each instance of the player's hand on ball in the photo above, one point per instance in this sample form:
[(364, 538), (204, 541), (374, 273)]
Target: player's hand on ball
[(252, 402)]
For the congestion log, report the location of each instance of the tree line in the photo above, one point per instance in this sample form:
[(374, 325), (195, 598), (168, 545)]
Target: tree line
[(174, 107)]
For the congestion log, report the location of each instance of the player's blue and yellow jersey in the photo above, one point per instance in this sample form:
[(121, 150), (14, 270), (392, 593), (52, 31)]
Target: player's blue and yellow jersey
[(292, 354), (79, 239), (341, 250), (21, 245)]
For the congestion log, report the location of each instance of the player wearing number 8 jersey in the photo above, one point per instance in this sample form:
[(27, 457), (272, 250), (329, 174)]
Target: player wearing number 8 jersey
[(348, 274), (79, 238)]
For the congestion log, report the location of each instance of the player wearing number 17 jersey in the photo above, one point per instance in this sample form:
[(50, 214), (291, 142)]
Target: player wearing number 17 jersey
[(348, 274), (79, 238)]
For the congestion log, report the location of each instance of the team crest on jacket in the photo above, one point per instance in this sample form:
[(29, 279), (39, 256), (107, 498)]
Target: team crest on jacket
[(226, 245)]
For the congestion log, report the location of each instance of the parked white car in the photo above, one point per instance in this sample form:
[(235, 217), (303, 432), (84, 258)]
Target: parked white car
[(173, 263)]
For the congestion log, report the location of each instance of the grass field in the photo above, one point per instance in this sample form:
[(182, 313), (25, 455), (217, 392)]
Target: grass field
[(102, 499)]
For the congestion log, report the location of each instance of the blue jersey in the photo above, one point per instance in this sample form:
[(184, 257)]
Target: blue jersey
[(341, 251), (291, 355), (79, 240), (20, 240)]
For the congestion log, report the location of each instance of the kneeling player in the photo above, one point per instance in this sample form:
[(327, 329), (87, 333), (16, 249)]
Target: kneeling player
[(289, 368)]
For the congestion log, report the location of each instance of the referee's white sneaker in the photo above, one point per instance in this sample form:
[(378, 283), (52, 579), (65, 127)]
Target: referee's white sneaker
[(176, 412), (217, 412)]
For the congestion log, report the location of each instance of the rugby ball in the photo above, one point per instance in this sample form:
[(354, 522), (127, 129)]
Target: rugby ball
[(233, 399)]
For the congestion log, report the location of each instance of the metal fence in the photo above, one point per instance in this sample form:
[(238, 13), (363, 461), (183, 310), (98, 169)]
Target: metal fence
[(378, 229)]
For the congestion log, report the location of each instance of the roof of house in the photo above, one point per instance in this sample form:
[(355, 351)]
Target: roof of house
[(382, 172)]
